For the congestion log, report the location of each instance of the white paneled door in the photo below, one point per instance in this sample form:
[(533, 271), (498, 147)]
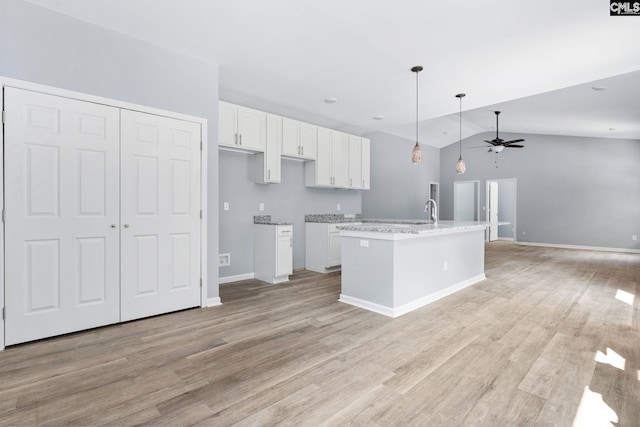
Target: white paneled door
[(62, 215), (160, 187)]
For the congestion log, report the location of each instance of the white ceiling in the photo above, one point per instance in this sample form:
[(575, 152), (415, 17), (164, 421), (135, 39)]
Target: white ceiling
[(535, 61)]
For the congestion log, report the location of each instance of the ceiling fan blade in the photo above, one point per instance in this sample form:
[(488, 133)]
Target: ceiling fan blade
[(512, 141), (514, 146), (494, 142), (479, 146)]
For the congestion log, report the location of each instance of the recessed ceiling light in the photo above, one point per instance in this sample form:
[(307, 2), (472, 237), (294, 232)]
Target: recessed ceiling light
[(331, 100), (598, 88), (445, 133), (612, 128), (378, 117)]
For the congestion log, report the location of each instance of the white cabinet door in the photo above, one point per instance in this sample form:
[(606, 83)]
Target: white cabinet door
[(366, 164), (308, 141), (290, 137), (160, 189), (339, 159), (251, 128), (227, 129), (284, 256), (62, 210), (335, 250), (355, 161), (323, 171), (272, 148)]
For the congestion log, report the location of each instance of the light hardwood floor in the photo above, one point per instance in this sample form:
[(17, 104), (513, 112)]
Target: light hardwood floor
[(551, 336)]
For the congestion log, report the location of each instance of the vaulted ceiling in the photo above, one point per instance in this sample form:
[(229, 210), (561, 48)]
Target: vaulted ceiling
[(536, 61)]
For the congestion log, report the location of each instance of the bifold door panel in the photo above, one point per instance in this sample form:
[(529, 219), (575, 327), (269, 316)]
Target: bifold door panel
[(102, 215), (61, 200), (160, 214)]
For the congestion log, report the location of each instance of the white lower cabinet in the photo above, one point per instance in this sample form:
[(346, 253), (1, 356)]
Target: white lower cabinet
[(273, 252), (323, 251)]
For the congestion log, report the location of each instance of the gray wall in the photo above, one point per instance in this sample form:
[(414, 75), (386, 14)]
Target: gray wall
[(288, 201), (45, 47), (571, 190), (399, 189)]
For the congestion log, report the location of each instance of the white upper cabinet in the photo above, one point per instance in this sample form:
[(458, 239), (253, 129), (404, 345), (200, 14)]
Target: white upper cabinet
[(355, 162), (366, 164), (331, 168), (298, 139), (240, 127), (340, 159), (265, 167), (359, 159)]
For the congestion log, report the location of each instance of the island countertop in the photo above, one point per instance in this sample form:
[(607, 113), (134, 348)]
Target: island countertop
[(390, 229)]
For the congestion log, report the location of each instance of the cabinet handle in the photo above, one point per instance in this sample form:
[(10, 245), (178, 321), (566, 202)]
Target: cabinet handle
[(299, 153), (350, 182), (235, 139), (290, 242), (363, 183), (240, 139), (268, 173), (302, 148)]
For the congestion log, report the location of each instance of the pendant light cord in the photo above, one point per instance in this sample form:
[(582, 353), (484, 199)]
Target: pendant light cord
[(460, 121), (417, 106)]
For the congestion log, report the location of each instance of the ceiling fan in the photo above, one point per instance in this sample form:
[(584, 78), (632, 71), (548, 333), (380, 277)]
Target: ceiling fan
[(498, 144)]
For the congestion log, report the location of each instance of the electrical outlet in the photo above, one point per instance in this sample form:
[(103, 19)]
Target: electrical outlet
[(261, 207), (225, 260), (226, 206), (634, 237), (524, 232), (445, 267), (338, 207), (364, 243)]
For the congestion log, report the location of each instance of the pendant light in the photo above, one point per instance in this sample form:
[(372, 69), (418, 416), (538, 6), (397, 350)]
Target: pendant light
[(416, 154), (460, 166)]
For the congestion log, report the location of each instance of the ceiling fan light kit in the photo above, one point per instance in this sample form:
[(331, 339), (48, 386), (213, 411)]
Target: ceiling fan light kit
[(416, 154), (461, 167)]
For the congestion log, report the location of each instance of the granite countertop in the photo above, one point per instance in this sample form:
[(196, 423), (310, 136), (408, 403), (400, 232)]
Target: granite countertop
[(332, 218), (266, 220), (413, 226)]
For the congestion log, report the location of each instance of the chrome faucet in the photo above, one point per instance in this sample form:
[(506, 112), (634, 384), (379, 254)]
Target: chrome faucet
[(435, 210)]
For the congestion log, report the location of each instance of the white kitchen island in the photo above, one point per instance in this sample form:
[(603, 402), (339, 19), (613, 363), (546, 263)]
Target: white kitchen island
[(394, 267)]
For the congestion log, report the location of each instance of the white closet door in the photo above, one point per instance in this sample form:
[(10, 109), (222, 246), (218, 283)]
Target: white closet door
[(160, 187), (62, 209)]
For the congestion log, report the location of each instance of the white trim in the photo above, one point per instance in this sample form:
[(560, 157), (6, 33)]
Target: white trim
[(236, 278), (414, 305), (585, 248), (508, 239), (50, 90), (212, 302)]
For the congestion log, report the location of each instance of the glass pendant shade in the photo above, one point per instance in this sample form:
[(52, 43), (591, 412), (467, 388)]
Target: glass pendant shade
[(416, 154), (460, 166)]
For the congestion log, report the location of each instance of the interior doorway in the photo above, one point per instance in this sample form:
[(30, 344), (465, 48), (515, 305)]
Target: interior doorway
[(501, 202), (466, 200)]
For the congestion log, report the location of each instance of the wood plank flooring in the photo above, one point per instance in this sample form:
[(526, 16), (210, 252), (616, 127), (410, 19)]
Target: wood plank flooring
[(551, 338)]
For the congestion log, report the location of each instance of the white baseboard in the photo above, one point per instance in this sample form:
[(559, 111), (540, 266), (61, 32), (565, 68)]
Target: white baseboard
[(236, 278), (586, 248), (508, 239), (211, 302), (414, 305)]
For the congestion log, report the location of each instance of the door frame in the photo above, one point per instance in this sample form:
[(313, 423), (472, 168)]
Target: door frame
[(50, 90), (515, 205), (477, 192)]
